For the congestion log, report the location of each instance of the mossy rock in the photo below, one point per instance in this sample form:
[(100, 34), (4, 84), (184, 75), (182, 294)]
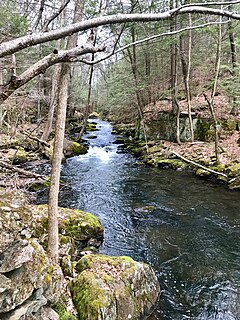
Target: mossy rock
[(113, 288), (233, 170), (155, 149), (201, 173), (93, 136), (76, 228), (94, 115), (91, 126), (171, 163), (73, 148), (235, 184), (229, 124), (70, 148), (20, 156)]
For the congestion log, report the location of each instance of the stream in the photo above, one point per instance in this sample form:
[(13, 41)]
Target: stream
[(187, 229)]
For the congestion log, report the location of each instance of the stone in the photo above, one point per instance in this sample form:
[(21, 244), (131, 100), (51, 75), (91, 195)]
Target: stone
[(233, 170), (113, 288), (76, 229), (235, 184), (26, 275)]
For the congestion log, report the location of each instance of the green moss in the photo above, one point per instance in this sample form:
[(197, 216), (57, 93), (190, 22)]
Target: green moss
[(233, 170), (229, 124), (61, 310), (88, 289), (91, 127), (172, 163), (20, 156), (77, 148), (154, 149), (94, 115), (203, 173), (202, 130)]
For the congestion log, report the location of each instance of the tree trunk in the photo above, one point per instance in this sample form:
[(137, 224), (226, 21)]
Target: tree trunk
[(57, 153), (186, 66), (56, 164), (232, 42), (52, 105), (173, 63), (210, 102), (1, 106)]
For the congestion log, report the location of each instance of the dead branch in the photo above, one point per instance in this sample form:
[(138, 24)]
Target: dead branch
[(21, 171), (55, 15), (37, 139), (198, 165)]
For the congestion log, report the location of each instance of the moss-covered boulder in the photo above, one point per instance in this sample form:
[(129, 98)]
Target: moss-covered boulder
[(94, 115), (73, 148), (233, 170), (77, 229), (115, 288), (70, 148)]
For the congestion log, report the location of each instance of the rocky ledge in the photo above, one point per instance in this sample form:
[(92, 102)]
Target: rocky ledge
[(101, 287)]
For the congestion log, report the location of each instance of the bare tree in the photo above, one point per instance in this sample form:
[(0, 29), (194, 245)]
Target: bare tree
[(58, 148)]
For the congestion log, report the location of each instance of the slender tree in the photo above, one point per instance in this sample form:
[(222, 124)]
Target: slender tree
[(58, 146)]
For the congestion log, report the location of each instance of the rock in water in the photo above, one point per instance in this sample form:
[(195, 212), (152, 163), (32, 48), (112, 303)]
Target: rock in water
[(114, 288)]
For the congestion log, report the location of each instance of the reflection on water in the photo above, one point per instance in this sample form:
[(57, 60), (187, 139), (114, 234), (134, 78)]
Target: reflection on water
[(190, 236)]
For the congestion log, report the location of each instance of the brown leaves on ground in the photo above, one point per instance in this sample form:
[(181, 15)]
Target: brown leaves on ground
[(229, 149)]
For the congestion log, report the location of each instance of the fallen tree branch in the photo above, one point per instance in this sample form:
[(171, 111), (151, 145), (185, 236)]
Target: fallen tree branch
[(37, 139), (21, 171), (198, 165)]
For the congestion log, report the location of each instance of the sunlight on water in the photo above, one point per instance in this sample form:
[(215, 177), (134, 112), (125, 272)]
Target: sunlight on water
[(103, 154)]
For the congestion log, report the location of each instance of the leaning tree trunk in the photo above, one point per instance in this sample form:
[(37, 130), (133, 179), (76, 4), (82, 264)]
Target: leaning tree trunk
[(48, 125)]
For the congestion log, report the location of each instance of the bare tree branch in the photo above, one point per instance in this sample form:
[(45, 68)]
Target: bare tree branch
[(55, 15), (156, 36), (42, 65), (39, 14), (12, 46)]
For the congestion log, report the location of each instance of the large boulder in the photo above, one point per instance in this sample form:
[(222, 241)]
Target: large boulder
[(77, 229), (113, 288), (70, 148)]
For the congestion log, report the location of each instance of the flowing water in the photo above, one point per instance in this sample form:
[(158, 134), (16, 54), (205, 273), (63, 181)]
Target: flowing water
[(187, 229)]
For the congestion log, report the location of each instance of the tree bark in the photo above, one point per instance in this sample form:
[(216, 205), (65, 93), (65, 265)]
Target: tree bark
[(234, 62), (57, 154), (56, 165), (186, 67)]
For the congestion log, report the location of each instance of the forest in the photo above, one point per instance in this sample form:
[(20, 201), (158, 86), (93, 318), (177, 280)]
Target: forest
[(165, 75)]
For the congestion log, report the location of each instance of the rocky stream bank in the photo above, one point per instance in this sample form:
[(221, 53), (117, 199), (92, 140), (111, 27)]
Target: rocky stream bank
[(85, 285), (196, 157)]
